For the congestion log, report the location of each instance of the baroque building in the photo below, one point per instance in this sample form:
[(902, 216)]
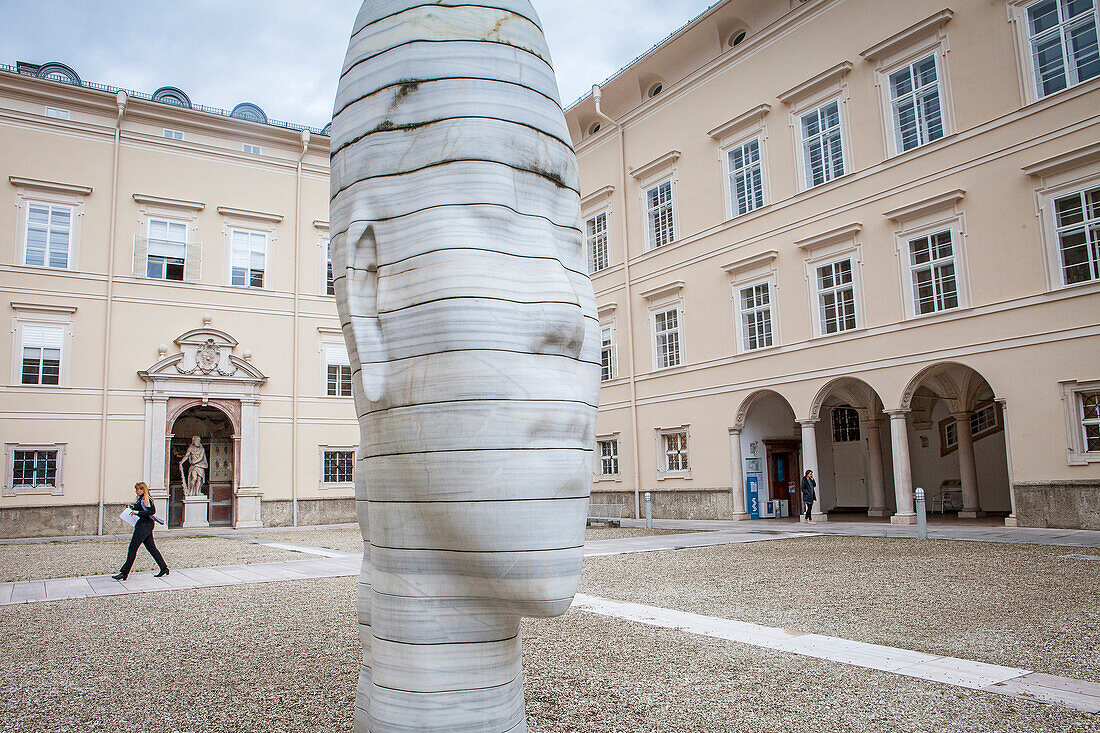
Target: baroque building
[(852, 236), (856, 237)]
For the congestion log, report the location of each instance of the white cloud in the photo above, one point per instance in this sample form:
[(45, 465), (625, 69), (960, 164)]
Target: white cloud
[(285, 56)]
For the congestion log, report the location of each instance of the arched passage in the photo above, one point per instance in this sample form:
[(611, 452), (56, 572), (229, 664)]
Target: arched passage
[(955, 429), (853, 439), (766, 442), (215, 430)]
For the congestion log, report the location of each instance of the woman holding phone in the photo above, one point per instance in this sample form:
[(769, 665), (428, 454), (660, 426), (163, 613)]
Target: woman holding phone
[(144, 509)]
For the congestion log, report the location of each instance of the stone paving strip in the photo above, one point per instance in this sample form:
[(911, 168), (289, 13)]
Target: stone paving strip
[(1010, 681)]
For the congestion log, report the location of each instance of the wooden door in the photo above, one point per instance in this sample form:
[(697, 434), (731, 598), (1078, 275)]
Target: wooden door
[(220, 481), (783, 475)]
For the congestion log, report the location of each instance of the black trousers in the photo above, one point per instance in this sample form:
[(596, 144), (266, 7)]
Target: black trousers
[(143, 535), (809, 508)]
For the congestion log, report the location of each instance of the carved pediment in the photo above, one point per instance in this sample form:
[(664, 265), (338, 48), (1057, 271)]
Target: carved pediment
[(205, 353)]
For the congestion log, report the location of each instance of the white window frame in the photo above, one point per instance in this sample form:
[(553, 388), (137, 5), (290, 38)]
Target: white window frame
[(47, 193), (737, 133), (29, 314), (170, 134), (896, 143), (924, 38), (252, 149), (678, 331), (804, 142), (250, 233), (250, 221), (598, 471), (948, 427), (926, 217), (652, 232), (653, 175), (591, 241), (330, 344), (1029, 83), (1092, 236), (47, 254), (743, 345), (58, 487), (748, 272), (168, 224), (58, 113), (827, 248), (608, 327), (1061, 178), (321, 451), (732, 176), (1072, 391), (663, 471), (811, 96), (156, 208), (663, 299)]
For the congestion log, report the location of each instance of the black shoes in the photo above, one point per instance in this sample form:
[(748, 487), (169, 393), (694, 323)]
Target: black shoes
[(163, 572), (120, 576)]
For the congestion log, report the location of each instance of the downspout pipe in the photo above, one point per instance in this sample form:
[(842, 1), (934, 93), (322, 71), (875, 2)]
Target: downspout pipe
[(120, 100), (294, 337), (597, 98)]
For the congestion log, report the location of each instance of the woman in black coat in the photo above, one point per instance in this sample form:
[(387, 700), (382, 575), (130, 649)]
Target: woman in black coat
[(809, 494), (143, 532)]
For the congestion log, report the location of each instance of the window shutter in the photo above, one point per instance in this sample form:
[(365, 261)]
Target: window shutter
[(141, 257), (43, 337), (192, 263), (337, 355)]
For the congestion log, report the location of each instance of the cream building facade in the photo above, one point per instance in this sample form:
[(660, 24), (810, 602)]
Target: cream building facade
[(856, 237), (846, 235), (164, 269)]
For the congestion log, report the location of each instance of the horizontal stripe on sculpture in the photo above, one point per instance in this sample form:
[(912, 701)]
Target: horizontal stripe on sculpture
[(383, 9), (402, 86), (444, 207)]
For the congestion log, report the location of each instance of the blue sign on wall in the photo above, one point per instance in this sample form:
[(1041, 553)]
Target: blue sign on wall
[(752, 495)]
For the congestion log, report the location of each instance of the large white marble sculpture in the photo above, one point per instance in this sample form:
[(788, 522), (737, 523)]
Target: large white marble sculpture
[(471, 328)]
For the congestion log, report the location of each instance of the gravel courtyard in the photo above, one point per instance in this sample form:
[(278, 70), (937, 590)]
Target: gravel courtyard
[(38, 560), (283, 657), (1017, 605)]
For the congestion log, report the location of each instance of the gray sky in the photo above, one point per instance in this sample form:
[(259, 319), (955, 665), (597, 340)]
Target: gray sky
[(285, 56)]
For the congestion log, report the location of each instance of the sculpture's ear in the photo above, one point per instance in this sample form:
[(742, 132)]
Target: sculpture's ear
[(363, 332)]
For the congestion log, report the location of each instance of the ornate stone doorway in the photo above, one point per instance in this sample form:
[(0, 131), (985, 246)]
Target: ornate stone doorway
[(218, 440), (208, 391)]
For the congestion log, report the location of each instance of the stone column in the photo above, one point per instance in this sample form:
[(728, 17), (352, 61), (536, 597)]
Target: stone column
[(903, 474), (737, 464), (1011, 520), (968, 473), (809, 463), (248, 489), (875, 479)]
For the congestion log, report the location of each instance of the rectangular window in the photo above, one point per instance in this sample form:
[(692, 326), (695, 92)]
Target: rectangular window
[(167, 249), (756, 317), (596, 228), (330, 282), (983, 422), (338, 466), (609, 457), (932, 264), (34, 469), (607, 353), (659, 211), (57, 113), (746, 177), (48, 235), (338, 371), (248, 258), (42, 354), (254, 149), (173, 134), (845, 425), (666, 327), (836, 297), (1090, 421), (1077, 218), (676, 451), (822, 144), (915, 104), (1062, 41)]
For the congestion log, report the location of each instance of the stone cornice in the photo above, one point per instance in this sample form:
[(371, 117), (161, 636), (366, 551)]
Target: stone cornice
[(932, 203), (825, 78), (899, 41), (142, 198), (53, 186), (833, 235), (753, 116), (665, 161), (246, 214)]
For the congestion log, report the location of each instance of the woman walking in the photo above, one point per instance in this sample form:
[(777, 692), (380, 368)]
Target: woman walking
[(809, 494), (143, 532)]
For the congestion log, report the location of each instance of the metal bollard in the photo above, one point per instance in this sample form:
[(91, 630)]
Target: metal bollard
[(648, 510), (922, 519)]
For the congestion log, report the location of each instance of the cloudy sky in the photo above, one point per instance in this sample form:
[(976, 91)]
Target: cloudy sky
[(285, 56)]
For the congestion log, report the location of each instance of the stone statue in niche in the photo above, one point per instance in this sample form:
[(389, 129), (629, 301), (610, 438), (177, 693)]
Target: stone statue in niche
[(196, 473), (470, 323)]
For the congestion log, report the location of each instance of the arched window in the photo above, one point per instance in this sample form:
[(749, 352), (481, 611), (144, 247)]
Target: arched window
[(58, 72), (173, 96), (250, 112)]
